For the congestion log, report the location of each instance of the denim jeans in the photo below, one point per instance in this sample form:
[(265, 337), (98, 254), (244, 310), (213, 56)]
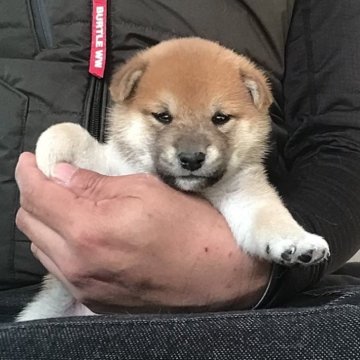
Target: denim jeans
[(321, 323)]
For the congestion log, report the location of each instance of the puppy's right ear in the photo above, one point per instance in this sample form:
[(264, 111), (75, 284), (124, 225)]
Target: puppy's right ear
[(125, 80)]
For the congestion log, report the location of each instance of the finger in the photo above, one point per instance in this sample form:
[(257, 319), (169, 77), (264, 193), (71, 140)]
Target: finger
[(94, 186), (43, 237), (83, 183), (49, 202)]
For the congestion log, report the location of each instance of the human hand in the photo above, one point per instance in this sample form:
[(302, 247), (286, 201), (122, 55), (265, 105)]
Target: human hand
[(133, 242)]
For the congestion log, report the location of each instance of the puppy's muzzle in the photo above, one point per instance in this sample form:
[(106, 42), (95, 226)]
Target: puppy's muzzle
[(191, 160)]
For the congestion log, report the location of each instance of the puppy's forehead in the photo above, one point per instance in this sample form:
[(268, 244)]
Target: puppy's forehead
[(193, 75)]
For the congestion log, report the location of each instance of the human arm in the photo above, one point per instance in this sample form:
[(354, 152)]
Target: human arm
[(133, 242), (321, 186)]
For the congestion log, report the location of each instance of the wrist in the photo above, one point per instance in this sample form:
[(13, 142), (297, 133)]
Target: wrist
[(250, 283), (223, 275)]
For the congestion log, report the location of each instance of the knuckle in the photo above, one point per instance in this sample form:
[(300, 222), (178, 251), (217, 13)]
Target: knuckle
[(85, 237), (26, 201), (134, 210), (81, 236), (76, 272), (147, 179), (140, 183), (26, 196), (21, 220), (34, 250), (141, 191), (74, 275), (92, 184)]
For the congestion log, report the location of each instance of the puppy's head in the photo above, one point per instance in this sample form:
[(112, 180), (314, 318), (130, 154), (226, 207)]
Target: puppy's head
[(191, 111)]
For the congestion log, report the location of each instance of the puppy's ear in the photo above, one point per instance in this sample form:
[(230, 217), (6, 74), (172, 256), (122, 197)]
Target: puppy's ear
[(125, 80), (258, 87)]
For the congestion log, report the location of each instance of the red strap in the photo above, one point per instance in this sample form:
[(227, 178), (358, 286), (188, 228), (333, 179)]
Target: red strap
[(98, 39)]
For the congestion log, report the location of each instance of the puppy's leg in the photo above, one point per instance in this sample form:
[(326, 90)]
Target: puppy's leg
[(68, 142), (52, 301), (283, 239), (262, 225)]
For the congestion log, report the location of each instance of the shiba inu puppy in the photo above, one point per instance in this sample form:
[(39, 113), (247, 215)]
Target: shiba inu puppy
[(195, 114)]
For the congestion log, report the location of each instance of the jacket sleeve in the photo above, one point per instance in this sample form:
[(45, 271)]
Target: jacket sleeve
[(321, 186)]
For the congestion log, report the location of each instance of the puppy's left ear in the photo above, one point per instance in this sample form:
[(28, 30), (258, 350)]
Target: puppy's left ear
[(258, 87), (126, 79)]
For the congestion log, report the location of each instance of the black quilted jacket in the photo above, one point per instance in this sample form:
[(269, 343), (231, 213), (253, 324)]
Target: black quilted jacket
[(315, 159)]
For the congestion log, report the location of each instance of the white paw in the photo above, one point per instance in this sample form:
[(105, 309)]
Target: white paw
[(60, 143), (303, 248)]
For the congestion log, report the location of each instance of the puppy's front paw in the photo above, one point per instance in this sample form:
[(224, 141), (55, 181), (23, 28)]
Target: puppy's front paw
[(303, 248), (60, 143)]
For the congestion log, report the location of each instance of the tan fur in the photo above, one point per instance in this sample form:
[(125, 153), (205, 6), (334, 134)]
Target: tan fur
[(193, 78)]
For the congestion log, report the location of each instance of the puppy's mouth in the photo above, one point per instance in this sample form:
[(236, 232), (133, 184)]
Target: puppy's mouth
[(191, 182)]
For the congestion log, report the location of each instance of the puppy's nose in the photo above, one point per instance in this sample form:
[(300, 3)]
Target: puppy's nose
[(191, 161)]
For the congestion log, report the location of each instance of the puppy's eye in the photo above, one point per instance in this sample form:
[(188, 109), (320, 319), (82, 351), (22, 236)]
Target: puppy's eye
[(220, 118), (163, 117)]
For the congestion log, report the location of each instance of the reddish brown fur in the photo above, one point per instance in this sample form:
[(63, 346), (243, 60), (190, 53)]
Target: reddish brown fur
[(193, 79), (211, 73)]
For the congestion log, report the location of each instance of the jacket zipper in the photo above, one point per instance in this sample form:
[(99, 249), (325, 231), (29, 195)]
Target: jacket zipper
[(41, 24), (97, 96), (96, 102), (96, 109)]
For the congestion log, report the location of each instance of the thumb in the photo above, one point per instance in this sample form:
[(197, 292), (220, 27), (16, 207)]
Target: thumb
[(81, 182)]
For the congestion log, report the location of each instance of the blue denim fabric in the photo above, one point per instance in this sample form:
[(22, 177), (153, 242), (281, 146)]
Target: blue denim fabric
[(328, 330)]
